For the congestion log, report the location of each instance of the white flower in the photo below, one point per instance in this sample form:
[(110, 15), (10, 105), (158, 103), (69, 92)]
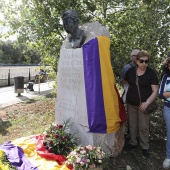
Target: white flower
[(100, 161), (103, 153), (98, 149), (88, 160), (81, 163), (54, 124), (83, 152), (44, 133), (89, 147), (78, 160), (99, 156), (73, 153), (69, 160), (78, 148)]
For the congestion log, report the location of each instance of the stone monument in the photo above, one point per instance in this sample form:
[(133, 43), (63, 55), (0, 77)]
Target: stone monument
[(91, 102)]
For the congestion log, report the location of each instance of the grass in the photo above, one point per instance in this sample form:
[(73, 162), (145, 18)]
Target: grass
[(27, 118)]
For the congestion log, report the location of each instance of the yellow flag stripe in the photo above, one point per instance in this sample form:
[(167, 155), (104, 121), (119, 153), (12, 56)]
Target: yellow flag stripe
[(111, 102)]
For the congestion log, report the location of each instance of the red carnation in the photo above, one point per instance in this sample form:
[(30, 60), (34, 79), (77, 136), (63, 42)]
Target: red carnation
[(64, 137), (56, 135), (50, 149), (44, 143), (51, 142), (47, 136), (60, 126)]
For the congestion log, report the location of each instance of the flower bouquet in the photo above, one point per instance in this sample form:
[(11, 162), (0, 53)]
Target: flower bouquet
[(87, 157), (59, 140)]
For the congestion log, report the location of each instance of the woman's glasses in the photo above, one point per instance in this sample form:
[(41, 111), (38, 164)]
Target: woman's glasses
[(141, 61)]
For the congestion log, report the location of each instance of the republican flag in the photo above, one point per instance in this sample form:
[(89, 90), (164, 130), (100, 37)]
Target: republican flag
[(104, 107)]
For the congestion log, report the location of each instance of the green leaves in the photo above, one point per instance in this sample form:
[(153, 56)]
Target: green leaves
[(132, 24)]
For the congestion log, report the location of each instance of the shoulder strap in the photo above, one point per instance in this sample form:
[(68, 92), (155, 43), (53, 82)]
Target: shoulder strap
[(137, 84)]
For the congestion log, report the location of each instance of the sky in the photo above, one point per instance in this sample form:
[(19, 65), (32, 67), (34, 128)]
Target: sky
[(4, 30)]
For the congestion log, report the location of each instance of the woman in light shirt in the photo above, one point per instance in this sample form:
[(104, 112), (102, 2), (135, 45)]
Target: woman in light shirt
[(164, 93)]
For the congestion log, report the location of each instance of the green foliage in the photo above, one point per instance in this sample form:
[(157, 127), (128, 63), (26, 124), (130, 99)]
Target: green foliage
[(139, 25), (132, 24), (11, 53)]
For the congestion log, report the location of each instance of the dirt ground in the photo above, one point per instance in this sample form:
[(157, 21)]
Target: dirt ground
[(127, 160), (133, 159)]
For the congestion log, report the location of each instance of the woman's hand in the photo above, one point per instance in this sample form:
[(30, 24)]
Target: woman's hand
[(143, 106), (152, 97)]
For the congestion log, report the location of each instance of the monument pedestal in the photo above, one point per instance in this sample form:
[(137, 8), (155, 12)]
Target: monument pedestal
[(72, 104)]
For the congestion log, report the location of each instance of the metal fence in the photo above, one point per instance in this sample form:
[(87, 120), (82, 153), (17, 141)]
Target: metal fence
[(7, 74)]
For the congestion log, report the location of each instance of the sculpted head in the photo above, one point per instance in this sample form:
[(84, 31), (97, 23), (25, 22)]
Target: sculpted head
[(70, 21)]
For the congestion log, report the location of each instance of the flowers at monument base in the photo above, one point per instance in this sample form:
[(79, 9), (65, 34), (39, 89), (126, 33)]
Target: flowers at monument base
[(56, 149), (87, 157), (59, 140)]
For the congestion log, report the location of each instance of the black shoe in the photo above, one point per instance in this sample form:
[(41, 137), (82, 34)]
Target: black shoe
[(145, 153), (129, 146)]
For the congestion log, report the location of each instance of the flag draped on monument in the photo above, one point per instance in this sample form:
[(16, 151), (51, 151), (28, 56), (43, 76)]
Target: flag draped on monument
[(105, 110)]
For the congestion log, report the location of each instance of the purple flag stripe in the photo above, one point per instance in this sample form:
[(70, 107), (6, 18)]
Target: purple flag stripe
[(16, 157), (93, 87)]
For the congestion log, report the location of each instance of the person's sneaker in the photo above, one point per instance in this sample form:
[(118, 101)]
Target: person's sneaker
[(145, 153), (166, 163)]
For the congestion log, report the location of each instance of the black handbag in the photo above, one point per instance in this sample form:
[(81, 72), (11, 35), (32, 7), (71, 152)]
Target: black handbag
[(153, 106)]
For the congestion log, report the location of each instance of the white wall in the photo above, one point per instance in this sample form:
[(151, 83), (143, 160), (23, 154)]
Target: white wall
[(15, 71)]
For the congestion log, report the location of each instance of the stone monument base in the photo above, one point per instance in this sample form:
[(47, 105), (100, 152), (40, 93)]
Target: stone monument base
[(71, 104)]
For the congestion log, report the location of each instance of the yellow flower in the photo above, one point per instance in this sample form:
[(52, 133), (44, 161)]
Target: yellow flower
[(4, 167), (1, 153)]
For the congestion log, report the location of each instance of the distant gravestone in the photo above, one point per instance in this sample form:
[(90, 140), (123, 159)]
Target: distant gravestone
[(72, 95)]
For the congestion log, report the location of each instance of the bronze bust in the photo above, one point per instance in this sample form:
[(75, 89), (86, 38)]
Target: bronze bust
[(70, 22)]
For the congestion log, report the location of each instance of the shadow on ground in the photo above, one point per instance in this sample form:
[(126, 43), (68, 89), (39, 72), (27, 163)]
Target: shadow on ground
[(4, 126)]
